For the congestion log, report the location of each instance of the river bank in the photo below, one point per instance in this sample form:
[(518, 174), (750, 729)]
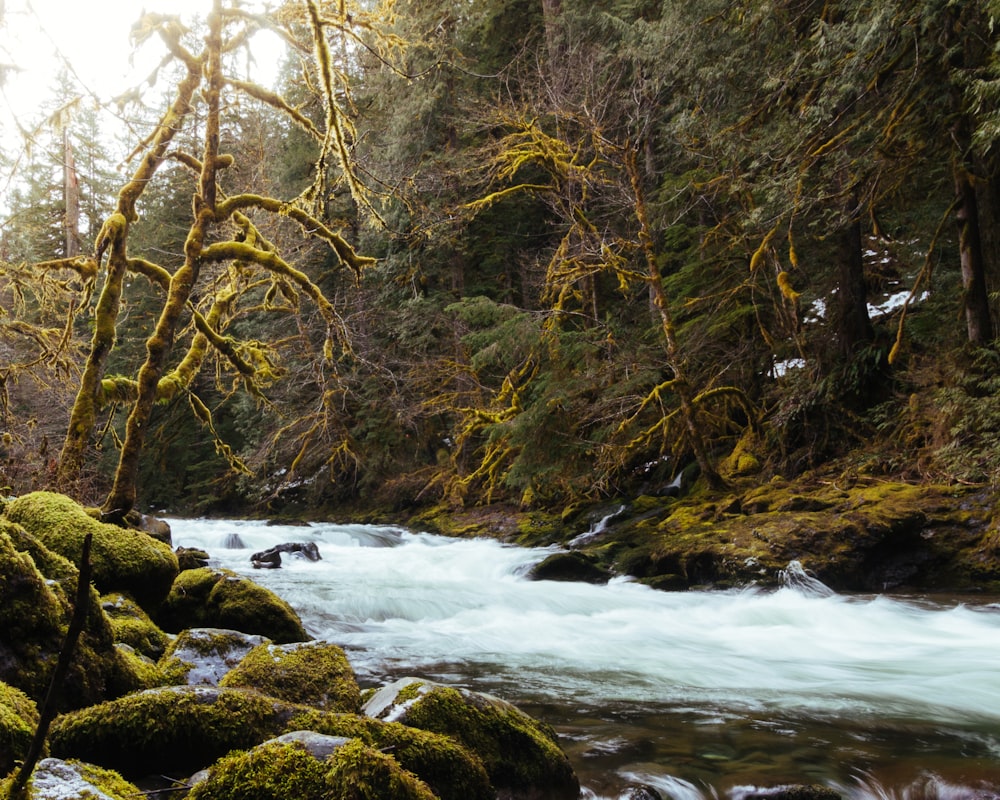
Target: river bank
[(852, 533)]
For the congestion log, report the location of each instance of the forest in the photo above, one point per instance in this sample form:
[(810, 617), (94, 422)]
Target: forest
[(538, 253)]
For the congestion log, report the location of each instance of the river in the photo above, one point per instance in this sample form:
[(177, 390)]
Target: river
[(698, 694)]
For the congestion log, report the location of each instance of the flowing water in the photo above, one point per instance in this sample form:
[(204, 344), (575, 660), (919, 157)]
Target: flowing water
[(698, 694)]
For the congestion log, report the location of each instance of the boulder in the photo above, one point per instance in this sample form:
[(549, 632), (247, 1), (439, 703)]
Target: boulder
[(37, 594), (170, 730), (123, 560), (18, 720), (452, 771), (203, 656), (314, 673), (521, 755), (570, 566), (271, 558), (131, 625), (289, 769), (191, 558), (793, 791), (211, 597), (54, 779)]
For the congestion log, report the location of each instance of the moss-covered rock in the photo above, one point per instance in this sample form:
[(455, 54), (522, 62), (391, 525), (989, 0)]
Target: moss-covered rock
[(570, 566), (18, 720), (203, 656), (317, 674), (131, 625), (520, 754), (279, 770), (219, 598), (172, 729), (37, 593), (452, 771), (123, 560), (54, 779)]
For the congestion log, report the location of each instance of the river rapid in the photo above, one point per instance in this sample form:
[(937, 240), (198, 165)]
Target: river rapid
[(701, 695)]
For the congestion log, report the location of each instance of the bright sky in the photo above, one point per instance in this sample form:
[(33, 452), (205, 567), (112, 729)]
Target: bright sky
[(39, 36)]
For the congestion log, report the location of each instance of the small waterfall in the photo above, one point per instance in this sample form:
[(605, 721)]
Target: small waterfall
[(596, 529), (794, 576)]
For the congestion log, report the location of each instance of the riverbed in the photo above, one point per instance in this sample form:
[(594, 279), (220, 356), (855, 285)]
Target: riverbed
[(698, 694)]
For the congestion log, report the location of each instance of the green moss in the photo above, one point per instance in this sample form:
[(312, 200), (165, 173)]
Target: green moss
[(272, 771), (131, 625), (282, 770), (123, 560), (35, 608), (312, 673), (358, 772), (520, 754), (18, 720), (180, 728), (451, 770), (74, 779), (219, 598)]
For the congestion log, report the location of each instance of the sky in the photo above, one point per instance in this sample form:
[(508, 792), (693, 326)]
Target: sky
[(92, 36)]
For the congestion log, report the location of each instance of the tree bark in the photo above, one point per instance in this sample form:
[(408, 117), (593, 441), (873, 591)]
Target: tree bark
[(854, 326), (978, 321)]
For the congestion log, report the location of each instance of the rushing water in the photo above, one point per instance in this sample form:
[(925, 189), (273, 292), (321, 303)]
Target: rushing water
[(699, 694)]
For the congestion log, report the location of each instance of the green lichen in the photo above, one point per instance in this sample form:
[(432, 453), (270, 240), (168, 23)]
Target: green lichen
[(312, 673), (180, 728), (451, 770), (18, 720), (123, 560), (219, 598)]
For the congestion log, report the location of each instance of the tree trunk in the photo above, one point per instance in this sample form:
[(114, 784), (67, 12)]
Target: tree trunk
[(123, 491), (71, 199), (854, 326), (551, 13), (970, 246)]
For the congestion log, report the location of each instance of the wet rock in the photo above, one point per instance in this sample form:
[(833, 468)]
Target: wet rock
[(271, 558), (571, 566), (313, 673), (219, 598), (203, 656), (191, 558), (521, 755), (787, 792)]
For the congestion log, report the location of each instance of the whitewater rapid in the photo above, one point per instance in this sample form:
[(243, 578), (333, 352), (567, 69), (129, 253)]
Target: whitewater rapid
[(463, 611)]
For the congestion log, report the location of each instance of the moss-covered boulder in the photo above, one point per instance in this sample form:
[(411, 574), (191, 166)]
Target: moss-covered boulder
[(177, 729), (520, 754), (314, 673), (203, 656), (18, 720), (279, 770), (131, 625), (570, 566), (452, 771), (54, 779), (219, 598), (37, 593), (123, 560)]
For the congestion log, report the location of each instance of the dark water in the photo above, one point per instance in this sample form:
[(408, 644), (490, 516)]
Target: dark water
[(697, 694)]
